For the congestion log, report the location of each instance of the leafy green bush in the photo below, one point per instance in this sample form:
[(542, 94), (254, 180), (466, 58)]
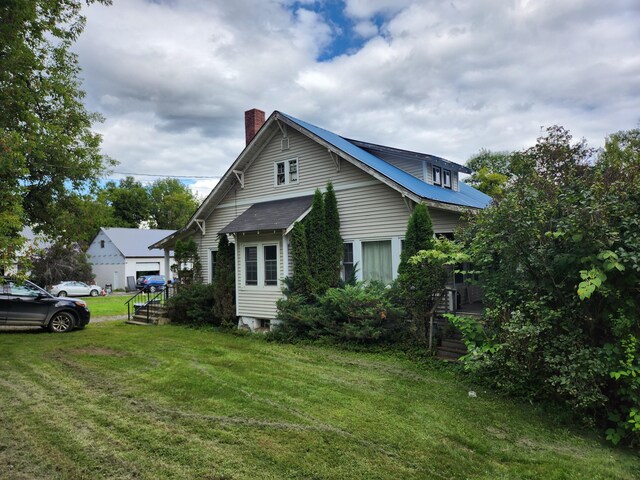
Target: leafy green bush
[(361, 313), (193, 305), (558, 255)]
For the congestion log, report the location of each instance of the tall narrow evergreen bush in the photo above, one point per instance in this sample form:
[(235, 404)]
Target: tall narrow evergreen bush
[(302, 282), (419, 235), (224, 307), (316, 239), (333, 240)]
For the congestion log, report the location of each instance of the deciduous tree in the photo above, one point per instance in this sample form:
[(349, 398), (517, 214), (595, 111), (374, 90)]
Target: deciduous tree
[(48, 152)]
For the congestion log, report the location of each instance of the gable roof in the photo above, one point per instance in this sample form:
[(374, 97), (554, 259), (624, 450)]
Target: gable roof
[(353, 151), (466, 197), (135, 242)]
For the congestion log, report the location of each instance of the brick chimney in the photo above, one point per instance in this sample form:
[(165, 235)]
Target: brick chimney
[(253, 120)]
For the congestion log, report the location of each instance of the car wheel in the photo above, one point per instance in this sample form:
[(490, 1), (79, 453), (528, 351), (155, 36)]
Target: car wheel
[(94, 293), (152, 289), (62, 294), (61, 322)]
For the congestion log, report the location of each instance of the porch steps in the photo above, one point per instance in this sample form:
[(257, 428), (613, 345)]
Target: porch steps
[(157, 315)]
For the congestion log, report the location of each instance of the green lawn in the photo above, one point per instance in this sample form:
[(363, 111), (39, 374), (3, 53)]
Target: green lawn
[(108, 306), (121, 401)]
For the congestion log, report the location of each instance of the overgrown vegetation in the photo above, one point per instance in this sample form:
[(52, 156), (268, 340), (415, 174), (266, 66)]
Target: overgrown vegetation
[(197, 303), (188, 266), (224, 286), (193, 305), (364, 313), (561, 272), (57, 263)]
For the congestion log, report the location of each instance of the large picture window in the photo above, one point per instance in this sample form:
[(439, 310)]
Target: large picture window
[(270, 265), (251, 265), (376, 261)]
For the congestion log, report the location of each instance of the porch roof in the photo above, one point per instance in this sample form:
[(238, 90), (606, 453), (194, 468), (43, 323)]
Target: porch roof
[(266, 216)]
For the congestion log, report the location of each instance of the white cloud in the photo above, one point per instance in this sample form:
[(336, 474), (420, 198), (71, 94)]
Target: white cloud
[(173, 79)]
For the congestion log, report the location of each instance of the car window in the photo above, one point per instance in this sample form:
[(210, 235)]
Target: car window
[(21, 289)]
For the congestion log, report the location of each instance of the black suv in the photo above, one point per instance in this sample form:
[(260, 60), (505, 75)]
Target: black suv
[(23, 303)]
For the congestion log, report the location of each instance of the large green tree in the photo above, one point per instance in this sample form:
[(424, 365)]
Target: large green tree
[(48, 151), (559, 263), (129, 201), (171, 204), (333, 242), (491, 171)]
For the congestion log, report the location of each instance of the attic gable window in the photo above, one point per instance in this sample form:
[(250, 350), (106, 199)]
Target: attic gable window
[(286, 172), (101, 243), (437, 176), (446, 178)]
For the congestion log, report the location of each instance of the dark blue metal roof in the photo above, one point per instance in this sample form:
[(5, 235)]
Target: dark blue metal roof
[(467, 196)]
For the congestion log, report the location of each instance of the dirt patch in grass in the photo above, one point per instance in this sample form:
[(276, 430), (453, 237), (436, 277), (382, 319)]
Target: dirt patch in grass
[(99, 351)]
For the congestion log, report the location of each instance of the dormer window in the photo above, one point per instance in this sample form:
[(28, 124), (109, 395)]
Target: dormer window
[(446, 178), (286, 172), (437, 176)]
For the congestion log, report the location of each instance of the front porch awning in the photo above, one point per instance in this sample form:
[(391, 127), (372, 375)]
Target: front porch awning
[(270, 216)]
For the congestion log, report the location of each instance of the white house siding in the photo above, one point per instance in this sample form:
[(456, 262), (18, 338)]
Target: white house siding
[(220, 218), (444, 221), (257, 301), (107, 263), (369, 210), (412, 167)]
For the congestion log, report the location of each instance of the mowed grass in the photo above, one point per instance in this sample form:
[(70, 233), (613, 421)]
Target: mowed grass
[(107, 306), (120, 401)]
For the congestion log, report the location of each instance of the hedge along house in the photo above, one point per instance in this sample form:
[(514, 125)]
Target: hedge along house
[(270, 186)]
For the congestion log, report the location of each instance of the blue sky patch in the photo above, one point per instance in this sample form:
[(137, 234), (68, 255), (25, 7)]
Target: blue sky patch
[(345, 39)]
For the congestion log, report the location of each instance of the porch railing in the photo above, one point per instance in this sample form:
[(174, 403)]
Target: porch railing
[(144, 300)]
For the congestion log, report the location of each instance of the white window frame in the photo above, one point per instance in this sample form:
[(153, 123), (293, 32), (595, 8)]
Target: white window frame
[(445, 174), (244, 265), (264, 264), (211, 272), (435, 169), (261, 265), (287, 172)]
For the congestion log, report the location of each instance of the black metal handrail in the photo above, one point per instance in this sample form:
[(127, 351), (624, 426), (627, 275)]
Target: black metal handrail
[(144, 299)]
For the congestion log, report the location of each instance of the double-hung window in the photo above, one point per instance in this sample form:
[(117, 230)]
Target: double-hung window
[(270, 265), (286, 172), (446, 178), (251, 265), (437, 176), (347, 261), (261, 265)]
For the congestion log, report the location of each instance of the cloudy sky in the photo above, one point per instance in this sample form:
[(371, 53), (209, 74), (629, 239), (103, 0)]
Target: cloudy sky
[(174, 77)]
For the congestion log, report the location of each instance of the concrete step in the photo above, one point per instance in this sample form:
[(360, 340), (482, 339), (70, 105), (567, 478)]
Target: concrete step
[(447, 355), (453, 345)]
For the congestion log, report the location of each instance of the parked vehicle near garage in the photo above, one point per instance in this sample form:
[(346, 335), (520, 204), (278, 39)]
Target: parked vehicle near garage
[(151, 283), (73, 288), (23, 303)]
